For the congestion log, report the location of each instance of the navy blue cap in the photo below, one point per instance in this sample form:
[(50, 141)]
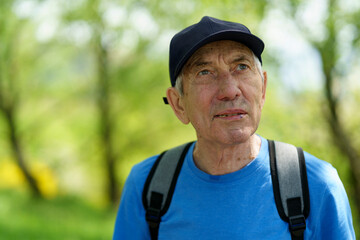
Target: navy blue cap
[(186, 42)]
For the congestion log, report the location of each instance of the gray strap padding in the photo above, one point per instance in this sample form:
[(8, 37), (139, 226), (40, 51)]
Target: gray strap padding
[(162, 178), (288, 169)]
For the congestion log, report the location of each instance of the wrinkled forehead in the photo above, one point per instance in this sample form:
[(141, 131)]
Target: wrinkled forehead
[(225, 48)]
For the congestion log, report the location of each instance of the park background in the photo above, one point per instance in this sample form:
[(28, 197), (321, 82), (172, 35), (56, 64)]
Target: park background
[(81, 87)]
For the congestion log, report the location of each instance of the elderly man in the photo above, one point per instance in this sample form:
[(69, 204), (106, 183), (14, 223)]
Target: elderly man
[(224, 188)]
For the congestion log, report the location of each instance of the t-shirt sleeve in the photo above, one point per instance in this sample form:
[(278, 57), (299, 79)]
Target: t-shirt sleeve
[(334, 218), (130, 221)]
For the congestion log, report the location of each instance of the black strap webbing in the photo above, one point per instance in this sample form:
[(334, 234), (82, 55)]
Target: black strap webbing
[(153, 216), (297, 222)]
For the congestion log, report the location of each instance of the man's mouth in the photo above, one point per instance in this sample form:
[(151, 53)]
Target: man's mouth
[(230, 115)]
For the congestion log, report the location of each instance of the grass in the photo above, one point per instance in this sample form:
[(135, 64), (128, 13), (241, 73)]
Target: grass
[(65, 218)]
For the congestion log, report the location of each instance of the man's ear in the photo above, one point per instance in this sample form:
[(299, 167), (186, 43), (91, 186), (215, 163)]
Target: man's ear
[(177, 104)]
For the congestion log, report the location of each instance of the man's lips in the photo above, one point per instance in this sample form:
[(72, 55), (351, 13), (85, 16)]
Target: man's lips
[(239, 113)]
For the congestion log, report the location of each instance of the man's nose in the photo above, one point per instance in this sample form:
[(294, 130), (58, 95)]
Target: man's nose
[(229, 88)]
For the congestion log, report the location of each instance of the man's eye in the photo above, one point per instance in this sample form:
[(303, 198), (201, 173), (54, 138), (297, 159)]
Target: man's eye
[(241, 67), (204, 72)]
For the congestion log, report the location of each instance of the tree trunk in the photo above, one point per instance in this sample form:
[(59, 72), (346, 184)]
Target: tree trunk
[(18, 152), (8, 95), (342, 140), (105, 121)]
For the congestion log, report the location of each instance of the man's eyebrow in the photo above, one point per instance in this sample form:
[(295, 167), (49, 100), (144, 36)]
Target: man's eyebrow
[(201, 63), (198, 63), (240, 58)]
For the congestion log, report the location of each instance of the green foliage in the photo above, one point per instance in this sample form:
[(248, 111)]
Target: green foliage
[(62, 218)]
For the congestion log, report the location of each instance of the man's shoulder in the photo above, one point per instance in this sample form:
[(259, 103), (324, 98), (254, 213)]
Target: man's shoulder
[(320, 172), (140, 171)]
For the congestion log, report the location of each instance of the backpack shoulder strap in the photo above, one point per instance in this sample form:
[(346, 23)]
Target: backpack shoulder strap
[(290, 186), (160, 185)]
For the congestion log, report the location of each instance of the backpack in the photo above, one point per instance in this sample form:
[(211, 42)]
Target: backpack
[(288, 174)]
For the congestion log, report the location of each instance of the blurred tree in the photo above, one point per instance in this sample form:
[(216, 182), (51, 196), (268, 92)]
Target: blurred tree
[(334, 74), (101, 53), (338, 55), (10, 31), (91, 12)]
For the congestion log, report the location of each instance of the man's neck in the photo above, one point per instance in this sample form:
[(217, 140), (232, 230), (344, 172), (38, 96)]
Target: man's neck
[(218, 159)]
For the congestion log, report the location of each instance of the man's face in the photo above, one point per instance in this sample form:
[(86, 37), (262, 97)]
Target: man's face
[(223, 93)]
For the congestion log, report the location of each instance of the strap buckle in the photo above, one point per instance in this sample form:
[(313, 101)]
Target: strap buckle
[(297, 225), (153, 217)]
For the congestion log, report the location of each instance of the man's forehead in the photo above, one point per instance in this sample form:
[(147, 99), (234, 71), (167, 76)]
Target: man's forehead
[(225, 46)]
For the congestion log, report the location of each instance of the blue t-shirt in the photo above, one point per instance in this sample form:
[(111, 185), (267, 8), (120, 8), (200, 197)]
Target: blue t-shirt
[(238, 205)]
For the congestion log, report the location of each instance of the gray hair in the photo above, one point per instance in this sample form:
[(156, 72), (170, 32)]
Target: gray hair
[(179, 80)]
